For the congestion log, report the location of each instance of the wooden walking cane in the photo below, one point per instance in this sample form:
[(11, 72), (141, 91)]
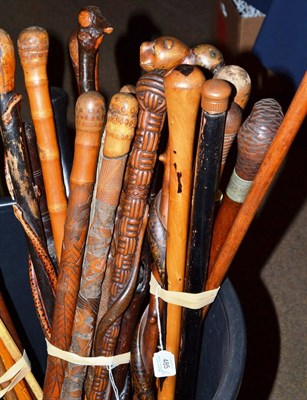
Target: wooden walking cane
[(33, 46), (273, 159), (121, 121), (183, 92), (214, 103), (21, 186), (92, 27), (150, 95), (254, 138), (90, 115)]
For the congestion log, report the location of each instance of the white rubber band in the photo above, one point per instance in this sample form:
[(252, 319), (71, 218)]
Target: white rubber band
[(193, 301), (18, 371), (113, 361), (238, 188)]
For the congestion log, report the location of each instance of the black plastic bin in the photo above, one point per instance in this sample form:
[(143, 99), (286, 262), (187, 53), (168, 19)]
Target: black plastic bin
[(224, 344)]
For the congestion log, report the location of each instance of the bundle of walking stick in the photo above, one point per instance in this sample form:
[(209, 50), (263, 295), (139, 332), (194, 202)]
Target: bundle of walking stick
[(123, 270)]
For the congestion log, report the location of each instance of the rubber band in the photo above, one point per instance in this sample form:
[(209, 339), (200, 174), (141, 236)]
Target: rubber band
[(18, 371), (193, 301), (112, 361)]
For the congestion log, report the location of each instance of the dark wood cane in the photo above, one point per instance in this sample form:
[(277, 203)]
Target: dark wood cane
[(90, 116), (92, 27), (215, 97)]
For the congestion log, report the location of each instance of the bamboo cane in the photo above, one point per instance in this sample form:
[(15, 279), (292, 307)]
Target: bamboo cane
[(33, 46), (183, 92), (90, 115), (287, 131)]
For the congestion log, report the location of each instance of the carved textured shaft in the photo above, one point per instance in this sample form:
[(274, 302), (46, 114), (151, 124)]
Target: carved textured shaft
[(33, 46), (215, 97), (20, 174), (150, 95), (254, 138), (183, 92), (90, 115), (92, 26), (121, 121), (287, 131)]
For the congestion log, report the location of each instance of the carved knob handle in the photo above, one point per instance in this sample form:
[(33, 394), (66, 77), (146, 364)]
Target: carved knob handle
[(7, 63)]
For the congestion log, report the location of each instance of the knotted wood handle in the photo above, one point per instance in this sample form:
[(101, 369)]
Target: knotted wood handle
[(183, 92), (90, 116), (33, 44)]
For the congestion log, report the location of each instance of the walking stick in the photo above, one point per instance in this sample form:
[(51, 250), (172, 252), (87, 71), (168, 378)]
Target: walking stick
[(92, 27), (33, 45), (150, 95), (215, 96), (254, 138), (121, 121), (287, 131), (183, 92), (90, 115), (21, 186)]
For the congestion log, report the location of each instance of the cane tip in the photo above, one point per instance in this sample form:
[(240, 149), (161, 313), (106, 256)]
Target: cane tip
[(215, 96)]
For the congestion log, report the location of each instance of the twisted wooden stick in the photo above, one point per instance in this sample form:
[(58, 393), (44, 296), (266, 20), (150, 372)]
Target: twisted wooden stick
[(92, 27), (33, 46), (90, 115)]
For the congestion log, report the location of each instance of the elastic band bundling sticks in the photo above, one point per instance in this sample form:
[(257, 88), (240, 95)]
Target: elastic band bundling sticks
[(17, 372)]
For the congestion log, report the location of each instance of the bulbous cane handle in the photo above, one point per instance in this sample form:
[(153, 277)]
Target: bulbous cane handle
[(256, 135), (240, 79)]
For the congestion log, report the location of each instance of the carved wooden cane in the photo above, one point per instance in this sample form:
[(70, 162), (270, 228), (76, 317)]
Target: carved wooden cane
[(121, 121), (92, 27), (90, 115), (33, 45), (182, 91), (254, 138), (214, 104), (21, 187), (167, 52), (270, 165), (150, 94)]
